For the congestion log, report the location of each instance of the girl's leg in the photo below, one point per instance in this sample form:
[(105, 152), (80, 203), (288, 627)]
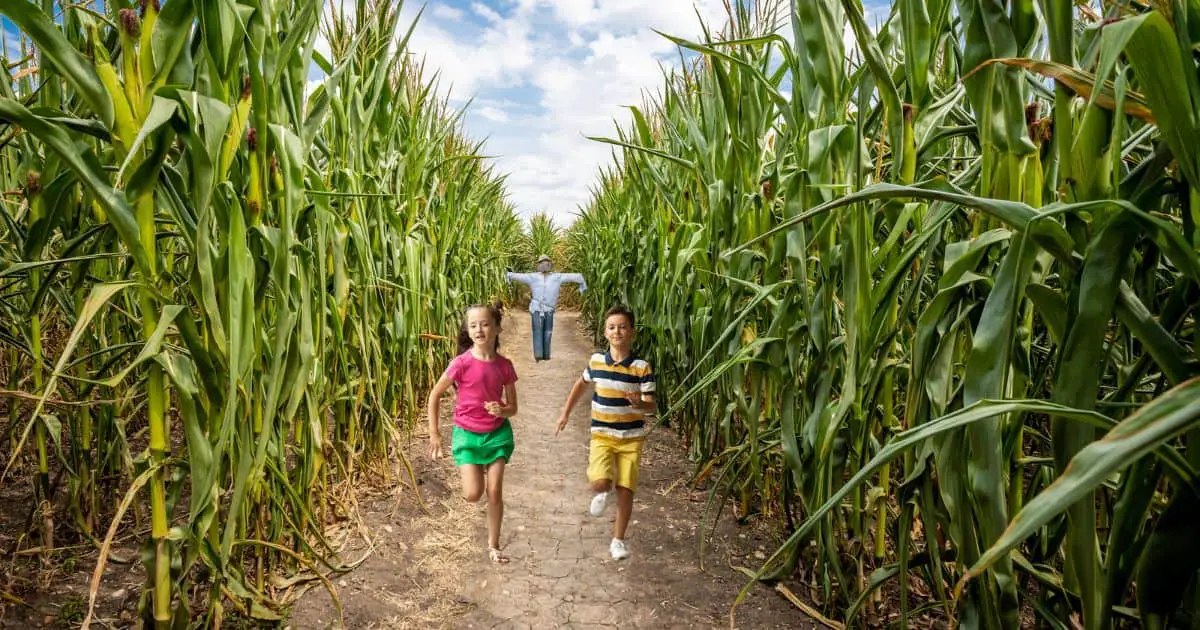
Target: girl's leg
[(472, 481), (495, 492)]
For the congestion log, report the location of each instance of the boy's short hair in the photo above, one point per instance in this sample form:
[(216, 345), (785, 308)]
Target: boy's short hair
[(621, 309)]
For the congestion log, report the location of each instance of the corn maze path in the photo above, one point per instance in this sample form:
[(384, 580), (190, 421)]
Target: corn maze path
[(560, 573)]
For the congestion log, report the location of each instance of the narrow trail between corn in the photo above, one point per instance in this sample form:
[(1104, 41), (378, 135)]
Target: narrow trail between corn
[(430, 568)]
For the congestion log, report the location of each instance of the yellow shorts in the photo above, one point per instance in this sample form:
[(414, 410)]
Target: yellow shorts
[(606, 451)]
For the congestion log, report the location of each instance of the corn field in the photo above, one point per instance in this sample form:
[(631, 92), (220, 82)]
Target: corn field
[(223, 291), (927, 296)]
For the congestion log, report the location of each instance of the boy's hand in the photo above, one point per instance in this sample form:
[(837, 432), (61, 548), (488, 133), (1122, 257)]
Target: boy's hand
[(634, 398), (562, 424), (492, 407), (435, 445)]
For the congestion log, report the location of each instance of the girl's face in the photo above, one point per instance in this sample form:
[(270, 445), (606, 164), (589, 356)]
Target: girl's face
[(618, 332), (482, 328)]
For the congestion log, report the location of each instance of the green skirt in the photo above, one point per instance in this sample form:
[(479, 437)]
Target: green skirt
[(481, 449)]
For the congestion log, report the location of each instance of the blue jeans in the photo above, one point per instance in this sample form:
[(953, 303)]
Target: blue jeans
[(543, 329)]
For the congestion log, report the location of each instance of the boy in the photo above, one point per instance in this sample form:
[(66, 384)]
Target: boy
[(624, 393)]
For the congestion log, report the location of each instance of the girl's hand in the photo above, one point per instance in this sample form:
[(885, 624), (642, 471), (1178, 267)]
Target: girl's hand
[(493, 408), (435, 445), (562, 424), (634, 398)]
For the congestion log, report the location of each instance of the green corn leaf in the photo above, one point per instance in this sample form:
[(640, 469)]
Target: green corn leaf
[(66, 60), (1169, 415)]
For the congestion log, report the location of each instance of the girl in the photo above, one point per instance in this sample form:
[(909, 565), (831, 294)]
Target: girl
[(483, 438)]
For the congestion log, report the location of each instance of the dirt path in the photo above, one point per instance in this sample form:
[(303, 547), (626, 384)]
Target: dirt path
[(432, 569)]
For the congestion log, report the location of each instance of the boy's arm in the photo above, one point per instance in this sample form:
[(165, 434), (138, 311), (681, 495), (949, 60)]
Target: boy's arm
[(643, 399), (572, 398)]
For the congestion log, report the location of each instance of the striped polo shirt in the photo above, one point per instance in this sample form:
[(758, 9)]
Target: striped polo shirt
[(611, 412)]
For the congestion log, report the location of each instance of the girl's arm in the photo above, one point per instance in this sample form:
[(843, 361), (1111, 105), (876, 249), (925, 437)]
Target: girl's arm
[(509, 408), (435, 400), (577, 391)]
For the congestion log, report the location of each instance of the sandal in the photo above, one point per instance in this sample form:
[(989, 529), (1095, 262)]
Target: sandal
[(496, 556)]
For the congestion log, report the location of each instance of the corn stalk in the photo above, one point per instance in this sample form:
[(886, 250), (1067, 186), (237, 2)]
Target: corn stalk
[(932, 313), (219, 275)]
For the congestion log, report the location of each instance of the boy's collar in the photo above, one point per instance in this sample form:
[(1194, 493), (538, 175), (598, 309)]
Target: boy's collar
[(608, 359)]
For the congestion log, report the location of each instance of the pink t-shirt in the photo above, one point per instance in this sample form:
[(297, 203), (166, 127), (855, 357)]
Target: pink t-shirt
[(479, 382)]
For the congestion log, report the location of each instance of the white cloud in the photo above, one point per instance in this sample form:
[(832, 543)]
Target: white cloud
[(447, 12), (546, 73), (486, 12), (671, 16), (493, 114), (497, 56)]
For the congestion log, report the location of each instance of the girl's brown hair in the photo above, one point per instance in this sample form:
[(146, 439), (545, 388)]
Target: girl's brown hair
[(464, 336)]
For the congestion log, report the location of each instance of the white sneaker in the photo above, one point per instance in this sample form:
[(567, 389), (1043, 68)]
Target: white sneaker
[(618, 549), (599, 502)]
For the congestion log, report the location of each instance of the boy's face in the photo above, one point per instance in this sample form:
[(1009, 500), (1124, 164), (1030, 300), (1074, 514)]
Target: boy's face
[(618, 332)]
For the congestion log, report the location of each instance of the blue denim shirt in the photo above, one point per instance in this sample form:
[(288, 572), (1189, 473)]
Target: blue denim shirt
[(545, 288)]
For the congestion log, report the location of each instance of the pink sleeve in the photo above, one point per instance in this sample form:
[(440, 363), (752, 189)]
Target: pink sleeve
[(454, 370), (510, 375)]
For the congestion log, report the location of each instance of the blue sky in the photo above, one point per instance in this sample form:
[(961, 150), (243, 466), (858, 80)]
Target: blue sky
[(8, 31), (545, 73)]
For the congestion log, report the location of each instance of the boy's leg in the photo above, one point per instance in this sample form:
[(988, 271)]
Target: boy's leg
[(537, 325), (495, 488), (602, 485), (600, 463), (472, 481), (627, 456), (600, 472), (624, 510)]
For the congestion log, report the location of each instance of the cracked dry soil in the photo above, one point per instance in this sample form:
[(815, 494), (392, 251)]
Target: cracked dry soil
[(430, 567)]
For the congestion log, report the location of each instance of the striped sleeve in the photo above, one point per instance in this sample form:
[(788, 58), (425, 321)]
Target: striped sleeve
[(587, 371), (647, 380)]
